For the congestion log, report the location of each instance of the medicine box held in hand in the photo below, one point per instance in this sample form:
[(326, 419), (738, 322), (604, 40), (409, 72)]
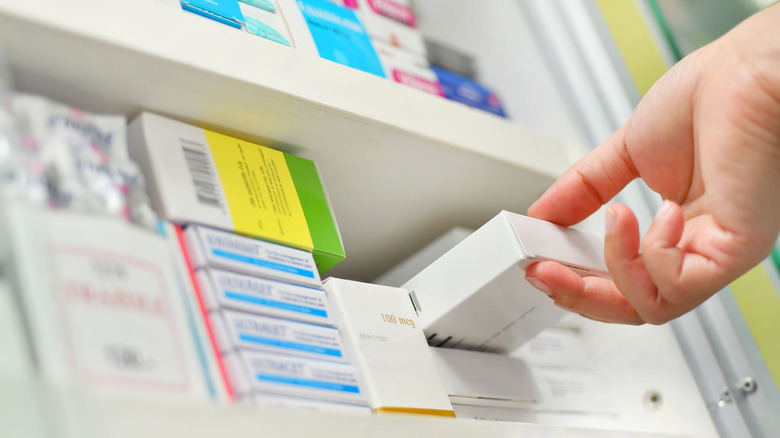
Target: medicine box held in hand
[(476, 297), (199, 176)]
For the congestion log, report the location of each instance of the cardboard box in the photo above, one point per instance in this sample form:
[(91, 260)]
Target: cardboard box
[(383, 336), (407, 68), (391, 21), (264, 23), (475, 378), (208, 247), (468, 91), (339, 35), (228, 290), (253, 371), (238, 331), (223, 11), (105, 308), (476, 297), (199, 176)]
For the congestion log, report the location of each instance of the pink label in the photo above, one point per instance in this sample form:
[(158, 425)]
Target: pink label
[(417, 82), (352, 4), (390, 9)]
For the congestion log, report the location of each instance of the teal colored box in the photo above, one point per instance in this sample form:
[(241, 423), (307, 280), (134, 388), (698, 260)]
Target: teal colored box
[(340, 36), (224, 11)]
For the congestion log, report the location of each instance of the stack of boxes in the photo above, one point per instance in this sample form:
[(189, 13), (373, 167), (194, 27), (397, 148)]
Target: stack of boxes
[(270, 320), (377, 36), (392, 27), (266, 313)]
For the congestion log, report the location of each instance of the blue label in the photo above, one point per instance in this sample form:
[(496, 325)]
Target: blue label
[(339, 35), (310, 383), (290, 345), (224, 11), (263, 263), (277, 304), (467, 91)]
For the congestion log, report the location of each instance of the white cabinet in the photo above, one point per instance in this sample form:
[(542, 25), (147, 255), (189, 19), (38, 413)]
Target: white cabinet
[(400, 166)]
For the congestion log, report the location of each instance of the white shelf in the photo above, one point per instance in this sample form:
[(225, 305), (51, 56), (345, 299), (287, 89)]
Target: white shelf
[(35, 410), (400, 166)]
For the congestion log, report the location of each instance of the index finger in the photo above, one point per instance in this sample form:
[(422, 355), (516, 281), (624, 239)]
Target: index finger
[(588, 184)]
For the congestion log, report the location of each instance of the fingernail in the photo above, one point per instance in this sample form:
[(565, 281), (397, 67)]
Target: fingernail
[(664, 209), (539, 284), (609, 220)]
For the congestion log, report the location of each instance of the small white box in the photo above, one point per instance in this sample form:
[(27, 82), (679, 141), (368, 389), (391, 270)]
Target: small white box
[(407, 68), (223, 289), (392, 21), (104, 305), (476, 297), (208, 247), (475, 378), (382, 335), (238, 330), (251, 371)]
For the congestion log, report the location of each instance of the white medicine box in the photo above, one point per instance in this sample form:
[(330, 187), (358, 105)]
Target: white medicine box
[(476, 297)]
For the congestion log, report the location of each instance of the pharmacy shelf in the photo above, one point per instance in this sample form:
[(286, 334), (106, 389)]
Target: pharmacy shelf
[(35, 410), (400, 166)]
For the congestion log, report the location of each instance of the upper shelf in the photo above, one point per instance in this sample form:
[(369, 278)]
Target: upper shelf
[(400, 166)]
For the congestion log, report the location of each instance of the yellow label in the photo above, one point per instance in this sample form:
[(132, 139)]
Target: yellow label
[(634, 42), (760, 305), (260, 191)]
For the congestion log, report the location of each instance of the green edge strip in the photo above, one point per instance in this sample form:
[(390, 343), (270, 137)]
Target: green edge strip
[(328, 249), (659, 17)]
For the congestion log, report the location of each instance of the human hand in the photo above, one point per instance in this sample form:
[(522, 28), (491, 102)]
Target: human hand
[(706, 137)]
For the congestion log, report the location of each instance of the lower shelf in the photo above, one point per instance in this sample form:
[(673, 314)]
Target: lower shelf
[(29, 408)]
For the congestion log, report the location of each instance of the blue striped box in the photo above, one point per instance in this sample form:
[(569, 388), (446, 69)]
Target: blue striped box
[(208, 247), (239, 331), (228, 290), (253, 372)]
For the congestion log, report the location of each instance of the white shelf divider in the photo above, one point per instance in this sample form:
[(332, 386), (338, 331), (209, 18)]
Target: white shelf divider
[(400, 166)]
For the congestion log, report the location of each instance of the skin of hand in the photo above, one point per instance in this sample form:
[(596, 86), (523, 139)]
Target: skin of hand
[(706, 137)]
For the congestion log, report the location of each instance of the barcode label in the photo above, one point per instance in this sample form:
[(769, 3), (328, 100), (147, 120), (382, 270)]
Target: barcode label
[(204, 176)]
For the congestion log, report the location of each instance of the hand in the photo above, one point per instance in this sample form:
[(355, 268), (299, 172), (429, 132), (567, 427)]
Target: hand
[(706, 137)]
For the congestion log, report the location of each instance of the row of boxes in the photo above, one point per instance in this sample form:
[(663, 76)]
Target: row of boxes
[(380, 37)]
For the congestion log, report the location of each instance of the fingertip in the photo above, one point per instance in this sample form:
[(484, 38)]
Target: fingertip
[(667, 227), (621, 242)]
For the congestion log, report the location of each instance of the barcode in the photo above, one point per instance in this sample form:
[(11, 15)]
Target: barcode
[(204, 177)]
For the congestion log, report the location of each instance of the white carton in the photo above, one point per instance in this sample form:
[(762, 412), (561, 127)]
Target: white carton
[(208, 247), (392, 21), (252, 371), (475, 378), (238, 330), (105, 307), (382, 335), (407, 68), (224, 289), (476, 297)]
